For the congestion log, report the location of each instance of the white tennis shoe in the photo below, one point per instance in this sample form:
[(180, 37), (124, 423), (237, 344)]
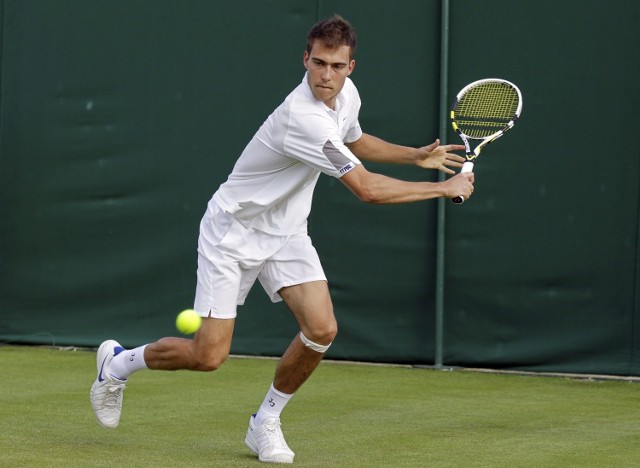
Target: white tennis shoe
[(107, 392), (267, 441)]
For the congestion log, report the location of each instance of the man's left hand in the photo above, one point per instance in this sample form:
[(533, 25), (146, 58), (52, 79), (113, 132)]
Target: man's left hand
[(434, 156)]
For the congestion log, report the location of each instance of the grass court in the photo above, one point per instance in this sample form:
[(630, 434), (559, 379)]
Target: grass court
[(348, 414)]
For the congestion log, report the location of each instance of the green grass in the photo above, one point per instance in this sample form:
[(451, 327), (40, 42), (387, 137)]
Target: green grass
[(346, 415)]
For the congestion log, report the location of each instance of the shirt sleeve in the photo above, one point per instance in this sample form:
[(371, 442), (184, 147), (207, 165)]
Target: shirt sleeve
[(315, 140), (354, 133)]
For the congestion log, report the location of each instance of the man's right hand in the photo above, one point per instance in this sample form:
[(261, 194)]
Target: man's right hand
[(460, 185)]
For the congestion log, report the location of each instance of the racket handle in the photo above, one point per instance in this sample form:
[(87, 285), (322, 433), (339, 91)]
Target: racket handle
[(466, 167)]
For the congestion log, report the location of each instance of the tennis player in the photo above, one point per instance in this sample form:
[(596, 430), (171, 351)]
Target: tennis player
[(255, 227)]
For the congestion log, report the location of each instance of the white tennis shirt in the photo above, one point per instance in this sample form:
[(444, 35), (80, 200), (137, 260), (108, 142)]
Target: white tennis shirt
[(271, 185)]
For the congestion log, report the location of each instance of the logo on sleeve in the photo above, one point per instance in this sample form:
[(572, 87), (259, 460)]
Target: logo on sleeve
[(347, 168)]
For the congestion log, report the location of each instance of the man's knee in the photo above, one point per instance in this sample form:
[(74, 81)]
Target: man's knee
[(209, 362), (329, 332), (209, 357), (320, 338), (212, 344)]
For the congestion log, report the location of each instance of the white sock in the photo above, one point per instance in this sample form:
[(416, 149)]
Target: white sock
[(127, 362), (273, 404)]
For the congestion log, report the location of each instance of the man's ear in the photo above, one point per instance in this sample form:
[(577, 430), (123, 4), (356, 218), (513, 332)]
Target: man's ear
[(352, 65), (305, 59)]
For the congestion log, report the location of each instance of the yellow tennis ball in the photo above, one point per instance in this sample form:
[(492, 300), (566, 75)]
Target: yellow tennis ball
[(188, 321)]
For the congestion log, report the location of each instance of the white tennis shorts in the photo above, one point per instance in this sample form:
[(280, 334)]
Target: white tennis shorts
[(231, 257)]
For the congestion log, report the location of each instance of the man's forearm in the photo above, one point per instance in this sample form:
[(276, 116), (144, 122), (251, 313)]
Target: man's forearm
[(371, 148)]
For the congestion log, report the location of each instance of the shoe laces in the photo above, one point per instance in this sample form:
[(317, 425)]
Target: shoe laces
[(113, 397), (273, 433)]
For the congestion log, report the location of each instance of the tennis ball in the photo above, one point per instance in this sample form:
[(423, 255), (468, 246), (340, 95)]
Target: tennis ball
[(188, 321)]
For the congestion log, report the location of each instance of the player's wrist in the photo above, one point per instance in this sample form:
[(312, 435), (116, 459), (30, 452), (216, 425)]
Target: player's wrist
[(435, 190), (418, 157)]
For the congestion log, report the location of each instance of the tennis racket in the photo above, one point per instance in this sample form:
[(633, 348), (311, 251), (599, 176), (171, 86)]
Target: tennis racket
[(484, 110)]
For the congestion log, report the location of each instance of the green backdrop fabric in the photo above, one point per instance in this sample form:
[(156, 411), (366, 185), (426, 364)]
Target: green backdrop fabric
[(118, 120)]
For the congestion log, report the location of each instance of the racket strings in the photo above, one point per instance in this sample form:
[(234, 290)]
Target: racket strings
[(486, 109)]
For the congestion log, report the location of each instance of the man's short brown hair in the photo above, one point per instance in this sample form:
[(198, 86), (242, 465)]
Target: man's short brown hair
[(333, 32)]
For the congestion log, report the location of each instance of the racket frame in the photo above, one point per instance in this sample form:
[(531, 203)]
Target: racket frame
[(472, 154)]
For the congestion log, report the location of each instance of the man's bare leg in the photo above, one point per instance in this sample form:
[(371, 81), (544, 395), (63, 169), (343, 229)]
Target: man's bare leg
[(312, 308), (311, 305), (205, 352)]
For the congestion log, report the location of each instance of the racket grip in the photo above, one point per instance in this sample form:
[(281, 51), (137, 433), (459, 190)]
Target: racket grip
[(466, 167)]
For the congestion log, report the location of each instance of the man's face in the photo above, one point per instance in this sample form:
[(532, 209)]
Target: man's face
[(328, 69)]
